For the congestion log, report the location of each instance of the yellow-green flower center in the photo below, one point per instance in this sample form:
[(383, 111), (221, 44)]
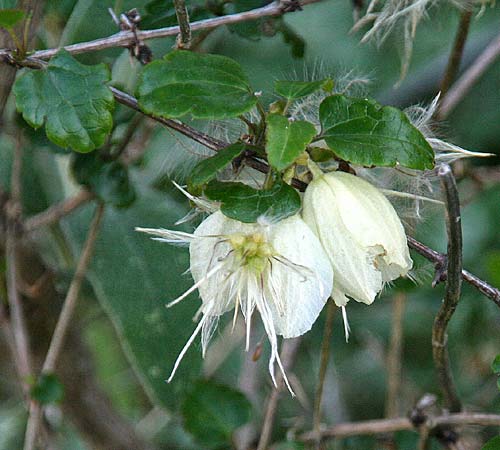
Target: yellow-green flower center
[(252, 250)]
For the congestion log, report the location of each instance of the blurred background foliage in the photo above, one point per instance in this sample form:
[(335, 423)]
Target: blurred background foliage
[(124, 333)]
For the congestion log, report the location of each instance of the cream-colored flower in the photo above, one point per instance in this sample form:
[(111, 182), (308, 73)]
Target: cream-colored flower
[(280, 269), (361, 233)]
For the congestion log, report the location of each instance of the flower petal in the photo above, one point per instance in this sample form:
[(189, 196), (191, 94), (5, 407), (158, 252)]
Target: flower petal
[(304, 283)]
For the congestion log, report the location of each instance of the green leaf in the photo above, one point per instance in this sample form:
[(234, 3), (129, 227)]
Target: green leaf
[(212, 412), (492, 444), (161, 13), (8, 4), (246, 204), (250, 29), (133, 278), (320, 154), (292, 38), (207, 169), (495, 365), (297, 89), (48, 389), (286, 139), (289, 445), (363, 132), (205, 86), (9, 17), (71, 98), (108, 180)]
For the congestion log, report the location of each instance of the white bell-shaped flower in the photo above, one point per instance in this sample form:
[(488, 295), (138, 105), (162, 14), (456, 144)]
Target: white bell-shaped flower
[(279, 268), (361, 233)]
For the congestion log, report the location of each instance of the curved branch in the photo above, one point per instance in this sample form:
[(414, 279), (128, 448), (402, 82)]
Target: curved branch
[(453, 289), (127, 38)]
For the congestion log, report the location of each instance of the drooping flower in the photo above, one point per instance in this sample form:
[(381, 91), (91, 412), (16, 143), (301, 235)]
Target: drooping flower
[(361, 233), (278, 269)]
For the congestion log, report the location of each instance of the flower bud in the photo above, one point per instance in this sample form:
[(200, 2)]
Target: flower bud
[(360, 232)]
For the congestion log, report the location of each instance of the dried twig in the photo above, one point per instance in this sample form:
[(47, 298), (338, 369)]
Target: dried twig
[(57, 211), (127, 38), (439, 259), (384, 426), (456, 52), (18, 325), (324, 359), (184, 37), (288, 353), (394, 356), (453, 290), (458, 91), (63, 322)]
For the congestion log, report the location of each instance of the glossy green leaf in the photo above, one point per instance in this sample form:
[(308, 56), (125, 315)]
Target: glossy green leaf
[(492, 444), (286, 139), (108, 180), (207, 169), (205, 86), (495, 365), (297, 89), (48, 389), (71, 99), (212, 412), (246, 204), (10, 17), (363, 132)]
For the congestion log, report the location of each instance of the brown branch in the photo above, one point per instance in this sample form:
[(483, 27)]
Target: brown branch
[(288, 353), (62, 326), (127, 38), (18, 323), (257, 164), (216, 144), (458, 91), (184, 37), (453, 290), (86, 405), (324, 359), (383, 426), (394, 356), (439, 259), (456, 53), (57, 211)]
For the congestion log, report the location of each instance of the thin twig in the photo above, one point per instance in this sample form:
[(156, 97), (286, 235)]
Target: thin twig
[(215, 144), (324, 359), (453, 289), (18, 323), (384, 426), (456, 52), (288, 353), (458, 91), (127, 38), (184, 37), (394, 356), (63, 322), (57, 211), (438, 258)]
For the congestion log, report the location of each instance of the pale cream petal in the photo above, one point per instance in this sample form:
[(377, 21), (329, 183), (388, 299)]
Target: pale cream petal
[(301, 278)]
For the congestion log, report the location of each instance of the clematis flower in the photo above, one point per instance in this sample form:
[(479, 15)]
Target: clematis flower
[(278, 269), (361, 233)]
